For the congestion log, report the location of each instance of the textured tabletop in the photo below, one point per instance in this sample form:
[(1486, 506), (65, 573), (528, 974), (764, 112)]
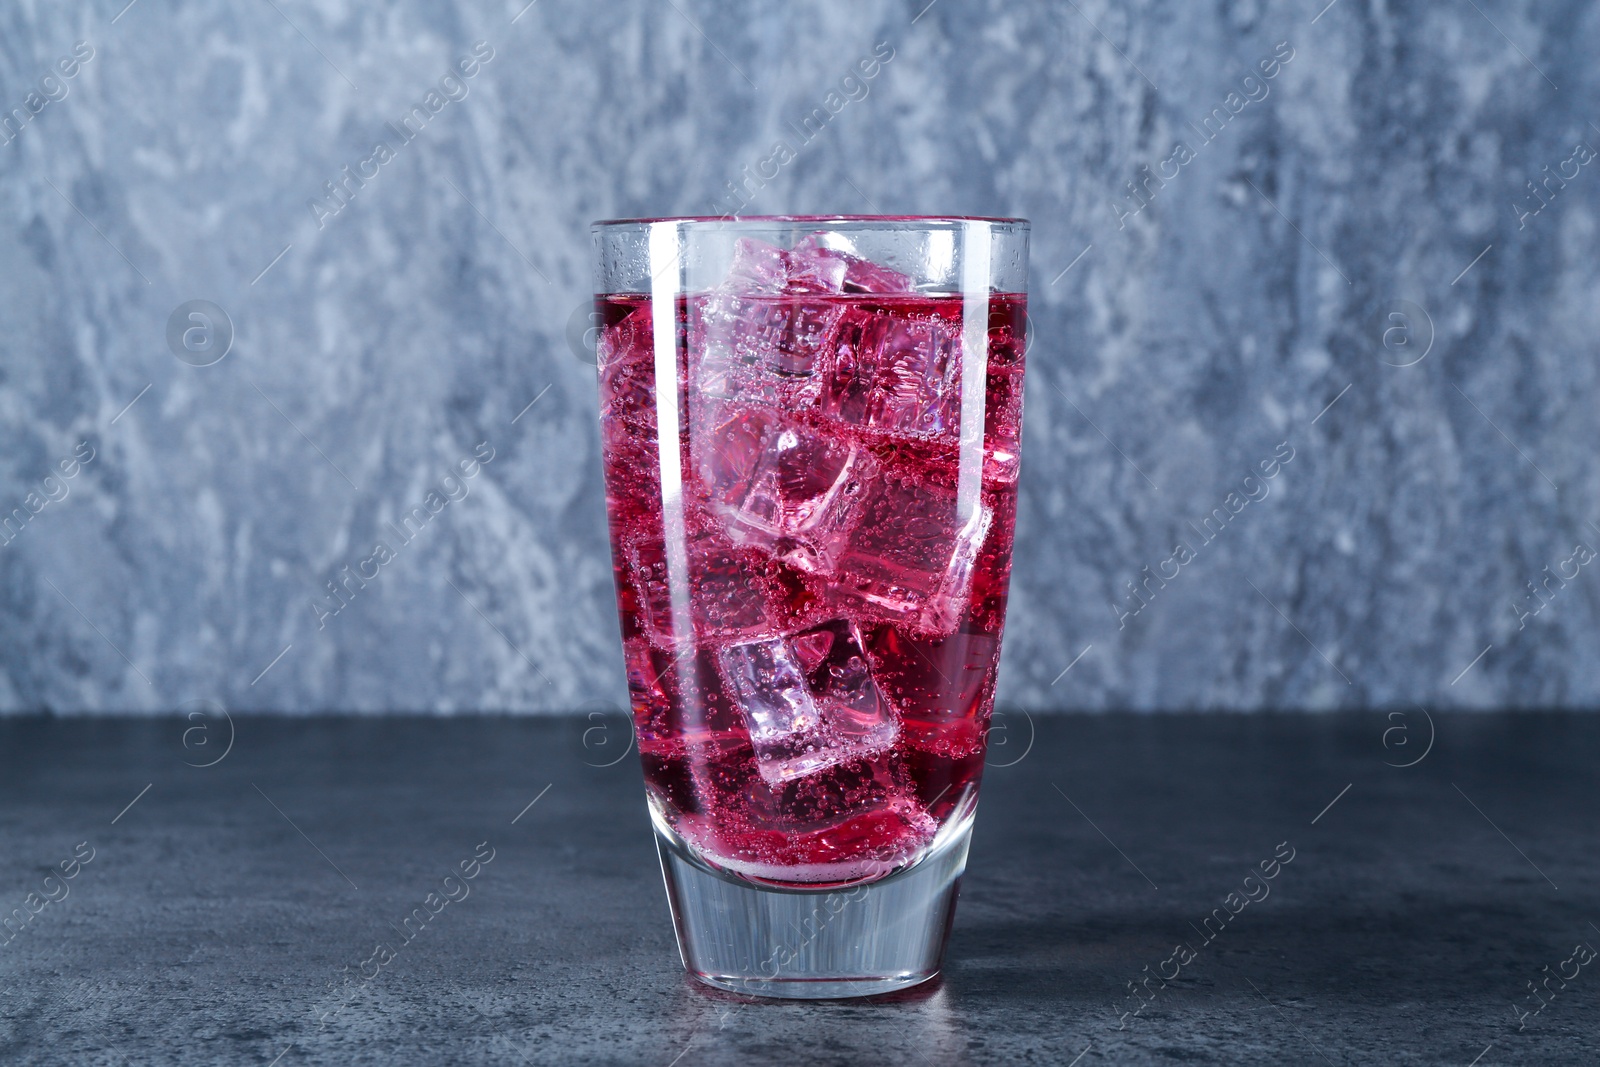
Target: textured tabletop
[(250, 912)]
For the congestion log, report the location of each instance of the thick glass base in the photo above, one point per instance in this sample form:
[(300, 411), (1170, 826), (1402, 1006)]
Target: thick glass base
[(840, 941)]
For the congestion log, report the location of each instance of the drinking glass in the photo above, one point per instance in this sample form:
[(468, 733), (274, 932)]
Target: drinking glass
[(811, 430)]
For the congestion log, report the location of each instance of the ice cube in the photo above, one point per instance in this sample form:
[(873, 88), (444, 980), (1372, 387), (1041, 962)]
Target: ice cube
[(777, 484), (813, 648), (727, 443), (756, 338), (754, 349), (814, 272), (757, 268), (766, 682), (854, 709), (899, 374), (725, 591), (829, 263), (910, 554), (802, 719)]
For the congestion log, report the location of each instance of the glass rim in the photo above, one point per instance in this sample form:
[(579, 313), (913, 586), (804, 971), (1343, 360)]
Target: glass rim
[(1015, 223)]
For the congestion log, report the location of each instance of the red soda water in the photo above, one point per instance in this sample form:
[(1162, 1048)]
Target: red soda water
[(812, 592)]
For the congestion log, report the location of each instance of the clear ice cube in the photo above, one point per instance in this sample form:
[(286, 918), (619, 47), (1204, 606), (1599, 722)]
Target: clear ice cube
[(771, 689), (766, 350), (804, 719), (841, 681), (910, 555), (778, 484), (756, 339), (828, 262), (757, 268), (897, 374)]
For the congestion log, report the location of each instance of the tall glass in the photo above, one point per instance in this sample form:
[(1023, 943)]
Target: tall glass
[(811, 432)]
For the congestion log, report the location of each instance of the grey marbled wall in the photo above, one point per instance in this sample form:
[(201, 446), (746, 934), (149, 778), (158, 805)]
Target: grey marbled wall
[(1182, 334)]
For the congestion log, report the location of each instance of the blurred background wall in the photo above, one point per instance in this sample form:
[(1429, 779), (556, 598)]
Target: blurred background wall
[(1261, 229)]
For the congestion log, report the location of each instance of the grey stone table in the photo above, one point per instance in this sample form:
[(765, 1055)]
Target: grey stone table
[(232, 913)]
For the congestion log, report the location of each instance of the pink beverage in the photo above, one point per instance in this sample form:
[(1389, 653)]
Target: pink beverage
[(812, 592)]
